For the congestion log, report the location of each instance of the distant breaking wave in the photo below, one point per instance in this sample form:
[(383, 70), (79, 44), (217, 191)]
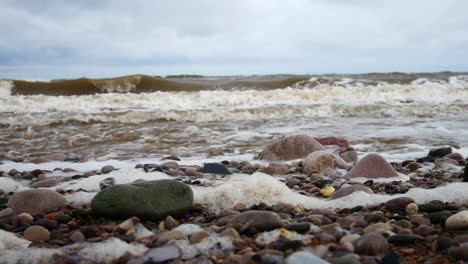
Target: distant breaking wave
[(148, 84), (144, 84)]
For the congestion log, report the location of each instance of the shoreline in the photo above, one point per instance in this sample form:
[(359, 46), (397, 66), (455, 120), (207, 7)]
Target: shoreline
[(402, 226)]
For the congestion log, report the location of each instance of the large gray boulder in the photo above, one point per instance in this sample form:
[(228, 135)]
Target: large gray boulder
[(289, 148), (152, 200), (36, 201)]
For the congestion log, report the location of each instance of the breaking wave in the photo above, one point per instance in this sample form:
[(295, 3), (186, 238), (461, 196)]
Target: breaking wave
[(113, 100)]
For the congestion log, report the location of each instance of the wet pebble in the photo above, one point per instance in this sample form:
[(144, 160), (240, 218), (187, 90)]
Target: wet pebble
[(298, 227), (458, 221), (371, 244), (36, 233), (438, 217), (261, 220), (215, 168), (460, 253), (77, 236), (412, 209), (402, 240), (443, 243), (398, 204)]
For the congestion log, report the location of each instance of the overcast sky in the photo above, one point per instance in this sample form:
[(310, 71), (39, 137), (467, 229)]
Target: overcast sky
[(97, 38)]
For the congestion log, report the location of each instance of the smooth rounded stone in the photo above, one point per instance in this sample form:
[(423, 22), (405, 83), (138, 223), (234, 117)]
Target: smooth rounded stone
[(377, 227), (423, 230), (261, 220), (403, 223), (230, 232), (45, 183), (291, 182), (411, 209), (35, 201), (107, 169), (290, 245), (327, 191), (349, 238), (56, 235), (402, 239), (419, 220), (371, 244), (146, 199), (324, 237), (413, 166), (398, 204), (372, 166), (289, 148), (440, 152), (304, 257), (89, 232), (25, 218), (6, 212), (323, 163), (63, 218), (301, 228), (459, 252), (427, 159), (438, 217), (215, 168), (344, 248), (47, 223), (349, 155), (345, 191), (107, 182), (276, 168), (36, 233), (458, 221), (443, 243), (77, 236)]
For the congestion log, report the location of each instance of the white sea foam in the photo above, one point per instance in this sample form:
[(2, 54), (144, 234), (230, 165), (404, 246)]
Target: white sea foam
[(10, 185), (107, 251), (258, 187)]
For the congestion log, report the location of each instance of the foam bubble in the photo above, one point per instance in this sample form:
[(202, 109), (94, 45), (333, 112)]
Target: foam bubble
[(258, 187)]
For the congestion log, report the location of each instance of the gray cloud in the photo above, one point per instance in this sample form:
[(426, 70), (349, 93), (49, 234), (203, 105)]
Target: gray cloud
[(47, 38)]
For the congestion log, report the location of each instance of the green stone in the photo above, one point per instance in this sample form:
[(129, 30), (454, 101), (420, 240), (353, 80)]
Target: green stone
[(152, 200)]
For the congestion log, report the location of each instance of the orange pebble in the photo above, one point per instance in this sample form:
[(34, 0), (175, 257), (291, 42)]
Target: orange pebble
[(51, 216)]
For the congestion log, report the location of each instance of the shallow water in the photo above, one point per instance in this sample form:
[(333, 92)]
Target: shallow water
[(400, 118)]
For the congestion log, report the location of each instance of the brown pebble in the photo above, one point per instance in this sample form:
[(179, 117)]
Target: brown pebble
[(77, 236), (36, 233)]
